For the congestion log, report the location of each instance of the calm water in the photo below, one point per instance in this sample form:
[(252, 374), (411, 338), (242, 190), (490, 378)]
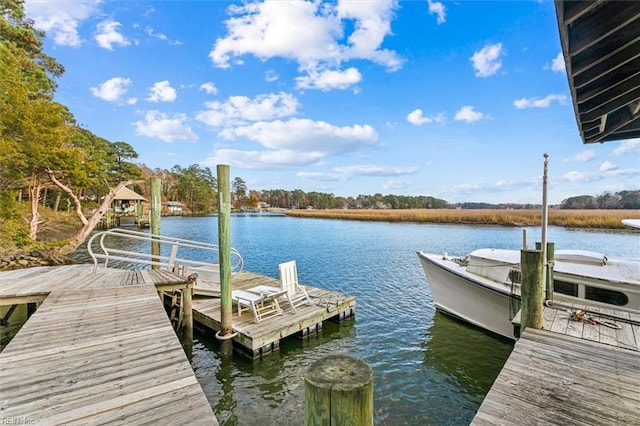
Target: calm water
[(428, 368)]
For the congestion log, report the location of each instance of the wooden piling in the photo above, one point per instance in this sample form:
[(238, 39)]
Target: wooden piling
[(224, 247), (548, 268), (532, 289), (338, 391), (187, 319), (156, 191)]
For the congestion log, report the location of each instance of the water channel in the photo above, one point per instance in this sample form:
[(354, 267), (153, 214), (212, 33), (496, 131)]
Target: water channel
[(428, 368)]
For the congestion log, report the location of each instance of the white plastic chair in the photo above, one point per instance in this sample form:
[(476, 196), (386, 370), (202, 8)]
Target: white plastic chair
[(289, 282)]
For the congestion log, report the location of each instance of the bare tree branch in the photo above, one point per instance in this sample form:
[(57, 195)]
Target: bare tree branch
[(69, 191)]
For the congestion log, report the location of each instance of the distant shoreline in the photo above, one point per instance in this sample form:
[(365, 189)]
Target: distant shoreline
[(594, 219)]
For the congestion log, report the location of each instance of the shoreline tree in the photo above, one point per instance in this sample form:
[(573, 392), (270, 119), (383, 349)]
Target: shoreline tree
[(40, 141)]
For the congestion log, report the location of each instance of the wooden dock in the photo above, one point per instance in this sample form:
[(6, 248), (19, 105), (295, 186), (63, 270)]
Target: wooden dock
[(99, 349), (257, 339), (569, 373)]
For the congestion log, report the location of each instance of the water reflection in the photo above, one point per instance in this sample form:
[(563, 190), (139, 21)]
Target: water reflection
[(268, 390), (12, 318), (463, 354)]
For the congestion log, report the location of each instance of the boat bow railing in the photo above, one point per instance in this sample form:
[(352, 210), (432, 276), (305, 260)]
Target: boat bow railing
[(103, 249)]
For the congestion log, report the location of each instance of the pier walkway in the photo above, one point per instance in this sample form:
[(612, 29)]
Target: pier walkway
[(569, 373), (99, 349)]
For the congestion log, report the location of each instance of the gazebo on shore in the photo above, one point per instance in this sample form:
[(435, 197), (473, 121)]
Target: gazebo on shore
[(127, 209)]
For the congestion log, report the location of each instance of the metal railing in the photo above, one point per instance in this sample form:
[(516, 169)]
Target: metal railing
[(107, 250)]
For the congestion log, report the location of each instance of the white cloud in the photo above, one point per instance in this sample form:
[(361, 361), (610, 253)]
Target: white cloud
[(397, 184), (630, 145), (322, 176), (107, 35), (61, 24), (557, 64), (486, 61), (162, 92), (374, 170), (150, 31), (329, 79), (164, 127), (209, 88), (416, 118), (469, 114), (607, 166), (275, 159), (132, 101), (319, 36), (583, 177), (305, 135), (437, 8), (584, 156), (271, 76), (540, 102), (161, 36), (292, 143), (241, 109), (489, 188), (112, 89), (371, 22), (348, 172)]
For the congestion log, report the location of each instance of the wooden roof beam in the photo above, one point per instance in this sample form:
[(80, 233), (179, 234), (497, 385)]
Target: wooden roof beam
[(595, 27)]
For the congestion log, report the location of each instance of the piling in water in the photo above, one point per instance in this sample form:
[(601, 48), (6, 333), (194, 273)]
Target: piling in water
[(224, 247), (156, 191), (338, 391)]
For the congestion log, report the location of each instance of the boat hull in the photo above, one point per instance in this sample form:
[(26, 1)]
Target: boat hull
[(487, 305)]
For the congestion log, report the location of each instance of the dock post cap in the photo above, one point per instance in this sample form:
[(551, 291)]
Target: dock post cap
[(339, 372), (338, 390)]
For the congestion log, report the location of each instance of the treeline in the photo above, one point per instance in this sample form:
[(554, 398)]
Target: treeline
[(618, 200), (298, 199), (485, 206)]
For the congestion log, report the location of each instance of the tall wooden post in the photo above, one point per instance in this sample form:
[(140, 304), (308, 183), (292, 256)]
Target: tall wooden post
[(224, 247), (187, 318), (156, 191), (548, 268), (545, 216), (338, 390), (532, 289)]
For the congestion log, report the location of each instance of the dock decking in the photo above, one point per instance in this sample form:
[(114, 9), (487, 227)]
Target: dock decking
[(569, 373), (256, 339), (99, 349)]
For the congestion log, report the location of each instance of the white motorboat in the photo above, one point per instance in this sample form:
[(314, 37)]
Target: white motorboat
[(483, 288)]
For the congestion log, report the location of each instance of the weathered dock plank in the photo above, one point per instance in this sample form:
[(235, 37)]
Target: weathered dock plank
[(100, 349), (552, 378), (76, 277)]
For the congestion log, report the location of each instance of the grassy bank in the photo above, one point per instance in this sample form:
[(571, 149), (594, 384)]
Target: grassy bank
[(600, 219)]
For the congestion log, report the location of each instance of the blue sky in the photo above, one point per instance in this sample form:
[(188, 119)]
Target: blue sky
[(457, 100)]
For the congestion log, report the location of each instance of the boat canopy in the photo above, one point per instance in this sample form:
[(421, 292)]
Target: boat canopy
[(582, 256)]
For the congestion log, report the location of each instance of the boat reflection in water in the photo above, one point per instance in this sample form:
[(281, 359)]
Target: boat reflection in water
[(463, 355)]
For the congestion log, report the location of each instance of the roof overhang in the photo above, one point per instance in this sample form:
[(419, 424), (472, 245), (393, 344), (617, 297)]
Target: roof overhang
[(125, 193), (601, 47)]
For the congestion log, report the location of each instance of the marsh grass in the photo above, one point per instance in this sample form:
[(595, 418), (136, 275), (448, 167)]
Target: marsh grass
[(599, 219)]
